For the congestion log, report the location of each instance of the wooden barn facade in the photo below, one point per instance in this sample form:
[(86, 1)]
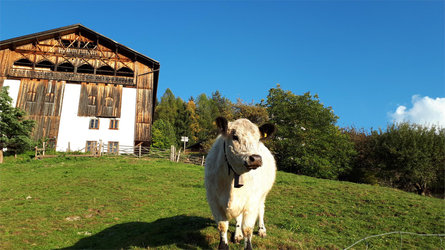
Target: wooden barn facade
[(81, 87)]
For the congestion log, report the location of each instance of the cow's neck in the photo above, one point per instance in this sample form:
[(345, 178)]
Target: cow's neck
[(238, 180)]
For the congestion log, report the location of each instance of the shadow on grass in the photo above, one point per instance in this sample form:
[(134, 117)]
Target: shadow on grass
[(182, 231)]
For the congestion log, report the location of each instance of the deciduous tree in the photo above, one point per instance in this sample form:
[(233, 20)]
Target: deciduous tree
[(308, 141)]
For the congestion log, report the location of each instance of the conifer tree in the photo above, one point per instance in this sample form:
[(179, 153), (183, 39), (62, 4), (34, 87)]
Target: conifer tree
[(193, 121), (15, 130)]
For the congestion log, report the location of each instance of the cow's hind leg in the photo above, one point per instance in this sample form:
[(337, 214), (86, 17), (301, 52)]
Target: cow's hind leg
[(238, 233), (223, 226), (249, 219), (261, 227)]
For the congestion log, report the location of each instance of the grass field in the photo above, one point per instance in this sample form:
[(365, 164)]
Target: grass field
[(121, 203)]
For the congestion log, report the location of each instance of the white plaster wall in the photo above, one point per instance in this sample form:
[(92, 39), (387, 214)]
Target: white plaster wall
[(13, 91), (75, 129)]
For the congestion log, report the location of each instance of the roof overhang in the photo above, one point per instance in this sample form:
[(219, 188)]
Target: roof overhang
[(84, 31)]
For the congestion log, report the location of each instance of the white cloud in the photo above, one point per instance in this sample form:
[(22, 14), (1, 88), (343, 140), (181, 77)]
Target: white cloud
[(425, 111)]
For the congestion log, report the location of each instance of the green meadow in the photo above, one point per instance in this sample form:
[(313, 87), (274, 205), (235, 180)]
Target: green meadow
[(129, 203)]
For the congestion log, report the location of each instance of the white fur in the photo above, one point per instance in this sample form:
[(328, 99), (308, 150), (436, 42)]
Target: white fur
[(245, 203)]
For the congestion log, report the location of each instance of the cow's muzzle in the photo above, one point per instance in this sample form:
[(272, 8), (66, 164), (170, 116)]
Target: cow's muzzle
[(253, 162)]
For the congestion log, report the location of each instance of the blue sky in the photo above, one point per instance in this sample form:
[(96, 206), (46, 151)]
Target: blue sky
[(366, 59)]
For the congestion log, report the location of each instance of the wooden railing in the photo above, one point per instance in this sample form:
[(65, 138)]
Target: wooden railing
[(136, 151)]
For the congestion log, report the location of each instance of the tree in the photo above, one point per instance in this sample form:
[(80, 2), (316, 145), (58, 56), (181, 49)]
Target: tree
[(254, 112), (411, 156), (207, 112), (307, 141), (181, 123), (224, 105), (365, 167), (173, 110), (163, 134), (193, 121), (167, 108), (15, 130)]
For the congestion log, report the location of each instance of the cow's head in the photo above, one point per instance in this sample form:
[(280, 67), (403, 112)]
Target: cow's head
[(242, 142)]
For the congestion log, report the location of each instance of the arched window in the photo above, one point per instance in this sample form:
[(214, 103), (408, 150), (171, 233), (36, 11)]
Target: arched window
[(23, 62), (91, 100), (109, 101), (105, 70), (31, 96), (65, 67), (125, 71), (86, 69), (45, 64)]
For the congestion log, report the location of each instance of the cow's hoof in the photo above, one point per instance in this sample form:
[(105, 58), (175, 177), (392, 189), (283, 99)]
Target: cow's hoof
[(238, 238), (248, 246), (223, 245), (262, 233)]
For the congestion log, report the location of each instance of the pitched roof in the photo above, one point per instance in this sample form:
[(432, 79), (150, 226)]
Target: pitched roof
[(93, 35)]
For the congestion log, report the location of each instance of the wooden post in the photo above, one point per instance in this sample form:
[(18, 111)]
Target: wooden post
[(179, 155), (44, 148), (35, 156), (69, 148), (100, 148), (1, 155), (172, 153), (140, 150), (202, 161)]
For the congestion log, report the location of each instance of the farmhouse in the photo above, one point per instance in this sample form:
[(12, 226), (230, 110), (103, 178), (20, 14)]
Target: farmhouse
[(81, 87)]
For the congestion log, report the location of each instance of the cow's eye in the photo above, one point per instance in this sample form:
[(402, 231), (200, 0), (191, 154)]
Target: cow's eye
[(235, 138)]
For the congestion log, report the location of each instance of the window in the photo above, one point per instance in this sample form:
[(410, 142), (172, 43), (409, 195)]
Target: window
[(113, 147), (31, 96), (45, 65), (94, 123), (109, 101), (65, 67), (91, 146), (86, 69), (105, 70), (125, 71), (92, 100), (23, 62), (49, 96), (114, 124)]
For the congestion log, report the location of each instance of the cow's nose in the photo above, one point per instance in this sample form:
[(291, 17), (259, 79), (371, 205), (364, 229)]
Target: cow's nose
[(255, 161)]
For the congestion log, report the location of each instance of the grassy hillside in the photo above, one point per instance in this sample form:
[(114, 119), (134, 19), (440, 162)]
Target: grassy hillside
[(132, 203)]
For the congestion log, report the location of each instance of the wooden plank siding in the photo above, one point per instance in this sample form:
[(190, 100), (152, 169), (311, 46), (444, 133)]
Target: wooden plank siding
[(100, 100), (42, 101), (100, 65), (6, 58), (144, 104)]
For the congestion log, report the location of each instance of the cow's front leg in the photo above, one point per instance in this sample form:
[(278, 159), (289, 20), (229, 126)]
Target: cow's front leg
[(261, 227), (249, 219), (223, 226), (238, 233)]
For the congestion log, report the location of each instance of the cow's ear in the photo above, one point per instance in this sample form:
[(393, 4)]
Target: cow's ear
[(267, 130), (221, 123)]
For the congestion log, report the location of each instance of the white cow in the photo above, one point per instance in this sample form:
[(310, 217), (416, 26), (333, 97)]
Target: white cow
[(239, 173)]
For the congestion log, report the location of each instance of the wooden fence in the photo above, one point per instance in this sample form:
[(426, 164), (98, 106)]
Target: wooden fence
[(139, 151)]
